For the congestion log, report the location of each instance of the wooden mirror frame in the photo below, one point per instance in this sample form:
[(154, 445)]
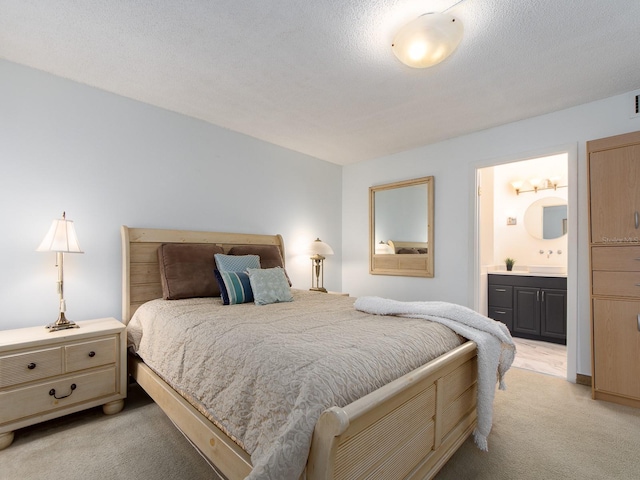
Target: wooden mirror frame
[(411, 265)]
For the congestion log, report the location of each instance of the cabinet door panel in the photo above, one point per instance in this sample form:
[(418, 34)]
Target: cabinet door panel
[(616, 347), (526, 310), (554, 313), (615, 198)]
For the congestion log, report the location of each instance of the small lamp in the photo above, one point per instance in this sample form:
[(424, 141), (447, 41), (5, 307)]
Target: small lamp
[(427, 40), (318, 249), (61, 239)]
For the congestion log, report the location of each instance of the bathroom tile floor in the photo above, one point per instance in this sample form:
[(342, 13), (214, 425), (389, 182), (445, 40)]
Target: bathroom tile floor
[(542, 357)]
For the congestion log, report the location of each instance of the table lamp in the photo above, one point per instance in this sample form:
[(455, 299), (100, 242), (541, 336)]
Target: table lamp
[(319, 250), (61, 239)]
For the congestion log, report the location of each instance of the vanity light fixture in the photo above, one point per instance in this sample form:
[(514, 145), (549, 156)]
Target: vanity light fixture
[(427, 40), (537, 185), (517, 185), (319, 250), (61, 238)]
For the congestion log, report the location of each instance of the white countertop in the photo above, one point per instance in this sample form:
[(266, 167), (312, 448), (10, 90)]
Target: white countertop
[(525, 273)]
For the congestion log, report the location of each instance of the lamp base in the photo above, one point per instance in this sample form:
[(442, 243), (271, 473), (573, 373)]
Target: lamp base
[(61, 324), (318, 289)]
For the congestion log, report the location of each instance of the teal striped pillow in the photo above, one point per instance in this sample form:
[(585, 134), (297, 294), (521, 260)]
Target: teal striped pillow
[(235, 287)]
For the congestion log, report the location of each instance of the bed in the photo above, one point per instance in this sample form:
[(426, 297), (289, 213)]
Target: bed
[(379, 435)]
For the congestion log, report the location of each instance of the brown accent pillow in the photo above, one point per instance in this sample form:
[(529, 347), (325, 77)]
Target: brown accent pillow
[(411, 251), (270, 256), (186, 270)]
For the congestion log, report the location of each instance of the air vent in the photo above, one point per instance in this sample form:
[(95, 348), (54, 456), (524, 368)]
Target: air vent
[(634, 101)]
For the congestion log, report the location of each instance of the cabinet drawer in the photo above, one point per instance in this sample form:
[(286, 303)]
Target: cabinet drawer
[(90, 354), (617, 259), (501, 296), (617, 284), (504, 315), (36, 399), (29, 366)]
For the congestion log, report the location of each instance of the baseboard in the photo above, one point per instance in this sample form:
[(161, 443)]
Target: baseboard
[(583, 379)]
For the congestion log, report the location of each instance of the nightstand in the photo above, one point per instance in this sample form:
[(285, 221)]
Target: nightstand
[(44, 375)]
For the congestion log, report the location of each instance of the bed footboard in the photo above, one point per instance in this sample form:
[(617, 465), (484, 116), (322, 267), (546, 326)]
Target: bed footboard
[(407, 429)]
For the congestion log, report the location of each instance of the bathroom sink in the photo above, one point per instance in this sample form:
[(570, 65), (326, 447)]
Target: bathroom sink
[(547, 269)]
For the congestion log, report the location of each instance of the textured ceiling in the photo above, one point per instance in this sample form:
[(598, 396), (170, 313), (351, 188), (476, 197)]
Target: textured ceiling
[(319, 77)]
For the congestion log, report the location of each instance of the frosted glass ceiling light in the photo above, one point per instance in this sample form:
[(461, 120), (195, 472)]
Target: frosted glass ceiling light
[(427, 40)]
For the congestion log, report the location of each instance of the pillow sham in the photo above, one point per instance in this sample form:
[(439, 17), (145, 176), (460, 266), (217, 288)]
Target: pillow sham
[(234, 287), (186, 270), (270, 256), (236, 263), (269, 285)]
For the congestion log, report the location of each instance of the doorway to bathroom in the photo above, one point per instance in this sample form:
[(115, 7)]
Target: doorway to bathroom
[(524, 213)]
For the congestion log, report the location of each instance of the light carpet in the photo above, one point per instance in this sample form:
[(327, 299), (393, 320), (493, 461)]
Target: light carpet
[(544, 428)]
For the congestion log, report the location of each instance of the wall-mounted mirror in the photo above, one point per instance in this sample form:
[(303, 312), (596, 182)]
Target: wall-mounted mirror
[(401, 228), (546, 219)]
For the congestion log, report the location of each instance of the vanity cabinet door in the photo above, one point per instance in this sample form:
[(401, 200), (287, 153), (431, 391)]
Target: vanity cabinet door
[(526, 303), (553, 314)]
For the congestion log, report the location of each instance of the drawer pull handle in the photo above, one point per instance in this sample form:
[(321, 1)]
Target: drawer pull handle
[(31, 366), (52, 392), (501, 290), (92, 354), (504, 313), (636, 217)]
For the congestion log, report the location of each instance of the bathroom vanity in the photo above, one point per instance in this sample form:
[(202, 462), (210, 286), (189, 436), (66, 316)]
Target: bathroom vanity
[(532, 306)]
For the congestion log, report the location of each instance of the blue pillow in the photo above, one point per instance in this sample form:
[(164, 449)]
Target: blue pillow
[(235, 287), (236, 263), (269, 285)]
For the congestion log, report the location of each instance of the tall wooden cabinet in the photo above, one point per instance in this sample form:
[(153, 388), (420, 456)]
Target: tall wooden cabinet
[(614, 222)]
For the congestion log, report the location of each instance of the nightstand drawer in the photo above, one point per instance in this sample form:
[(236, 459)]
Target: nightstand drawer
[(40, 399), (29, 366), (90, 354)]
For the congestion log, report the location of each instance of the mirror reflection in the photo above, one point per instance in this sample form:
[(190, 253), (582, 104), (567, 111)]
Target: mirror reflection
[(401, 228), (401, 215), (546, 218)]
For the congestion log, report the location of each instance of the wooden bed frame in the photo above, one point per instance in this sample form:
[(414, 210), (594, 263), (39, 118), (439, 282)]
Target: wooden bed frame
[(407, 429)]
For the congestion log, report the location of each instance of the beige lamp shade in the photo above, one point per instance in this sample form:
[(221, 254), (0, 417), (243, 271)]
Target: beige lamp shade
[(61, 237), (427, 40)]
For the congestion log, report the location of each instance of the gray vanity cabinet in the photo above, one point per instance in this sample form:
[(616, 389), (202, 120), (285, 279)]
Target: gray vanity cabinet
[(530, 306)]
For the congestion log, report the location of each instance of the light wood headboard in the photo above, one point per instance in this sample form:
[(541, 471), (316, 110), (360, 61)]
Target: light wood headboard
[(140, 271)]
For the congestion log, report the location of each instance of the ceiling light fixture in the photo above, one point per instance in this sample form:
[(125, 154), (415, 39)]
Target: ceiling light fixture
[(427, 40)]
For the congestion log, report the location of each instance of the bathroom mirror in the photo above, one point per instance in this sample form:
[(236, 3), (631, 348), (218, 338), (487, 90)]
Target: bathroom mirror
[(546, 218), (401, 228)]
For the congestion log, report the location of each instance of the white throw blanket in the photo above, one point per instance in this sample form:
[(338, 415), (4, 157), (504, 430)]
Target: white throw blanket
[(496, 349)]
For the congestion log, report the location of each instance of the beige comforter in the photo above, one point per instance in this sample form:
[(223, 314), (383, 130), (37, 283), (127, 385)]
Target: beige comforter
[(266, 373)]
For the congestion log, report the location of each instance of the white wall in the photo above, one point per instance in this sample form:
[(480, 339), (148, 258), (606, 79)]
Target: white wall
[(109, 161), (453, 163)]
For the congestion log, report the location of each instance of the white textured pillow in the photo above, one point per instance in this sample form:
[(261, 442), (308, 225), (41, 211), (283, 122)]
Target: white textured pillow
[(269, 285)]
